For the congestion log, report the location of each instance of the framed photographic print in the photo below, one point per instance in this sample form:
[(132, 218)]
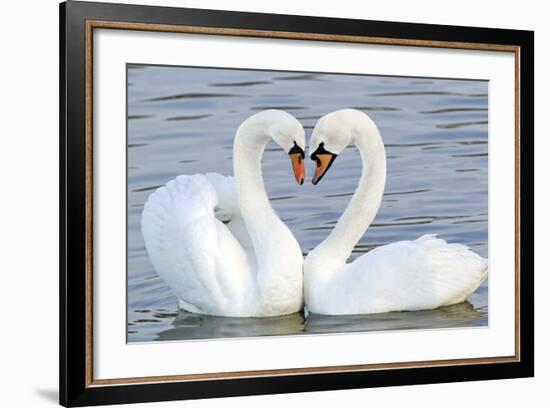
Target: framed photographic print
[(256, 203)]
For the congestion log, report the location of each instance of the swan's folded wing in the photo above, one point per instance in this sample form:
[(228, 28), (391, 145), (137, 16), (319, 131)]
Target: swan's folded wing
[(195, 253), (455, 271), (226, 207), (415, 275)]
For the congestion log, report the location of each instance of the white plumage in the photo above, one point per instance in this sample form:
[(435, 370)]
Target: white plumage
[(407, 275), (199, 257), (231, 268)]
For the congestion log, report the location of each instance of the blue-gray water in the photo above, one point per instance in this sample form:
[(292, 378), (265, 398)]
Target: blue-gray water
[(182, 121)]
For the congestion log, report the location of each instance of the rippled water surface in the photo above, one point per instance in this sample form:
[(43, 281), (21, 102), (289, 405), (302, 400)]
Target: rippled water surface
[(182, 121)]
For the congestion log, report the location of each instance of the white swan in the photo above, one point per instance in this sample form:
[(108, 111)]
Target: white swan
[(251, 266), (405, 275)]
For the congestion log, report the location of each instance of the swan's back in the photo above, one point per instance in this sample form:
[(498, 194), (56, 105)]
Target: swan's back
[(407, 275), (191, 249)]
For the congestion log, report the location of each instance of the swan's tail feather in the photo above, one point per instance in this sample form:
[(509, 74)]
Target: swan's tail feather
[(457, 270)]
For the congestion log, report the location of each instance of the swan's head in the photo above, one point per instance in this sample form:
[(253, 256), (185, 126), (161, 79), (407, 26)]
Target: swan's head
[(289, 134), (332, 134)]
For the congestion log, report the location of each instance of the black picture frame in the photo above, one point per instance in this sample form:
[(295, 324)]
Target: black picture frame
[(76, 387)]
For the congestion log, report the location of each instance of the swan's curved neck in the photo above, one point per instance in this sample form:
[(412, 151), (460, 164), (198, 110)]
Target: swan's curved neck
[(366, 200), (269, 235), (249, 145)]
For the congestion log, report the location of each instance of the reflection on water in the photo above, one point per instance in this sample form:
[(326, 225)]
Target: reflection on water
[(182, 121), (461, 315), (191, 326)]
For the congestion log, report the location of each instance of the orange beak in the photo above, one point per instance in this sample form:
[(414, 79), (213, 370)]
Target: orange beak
[(297, 160), (323, 162)]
